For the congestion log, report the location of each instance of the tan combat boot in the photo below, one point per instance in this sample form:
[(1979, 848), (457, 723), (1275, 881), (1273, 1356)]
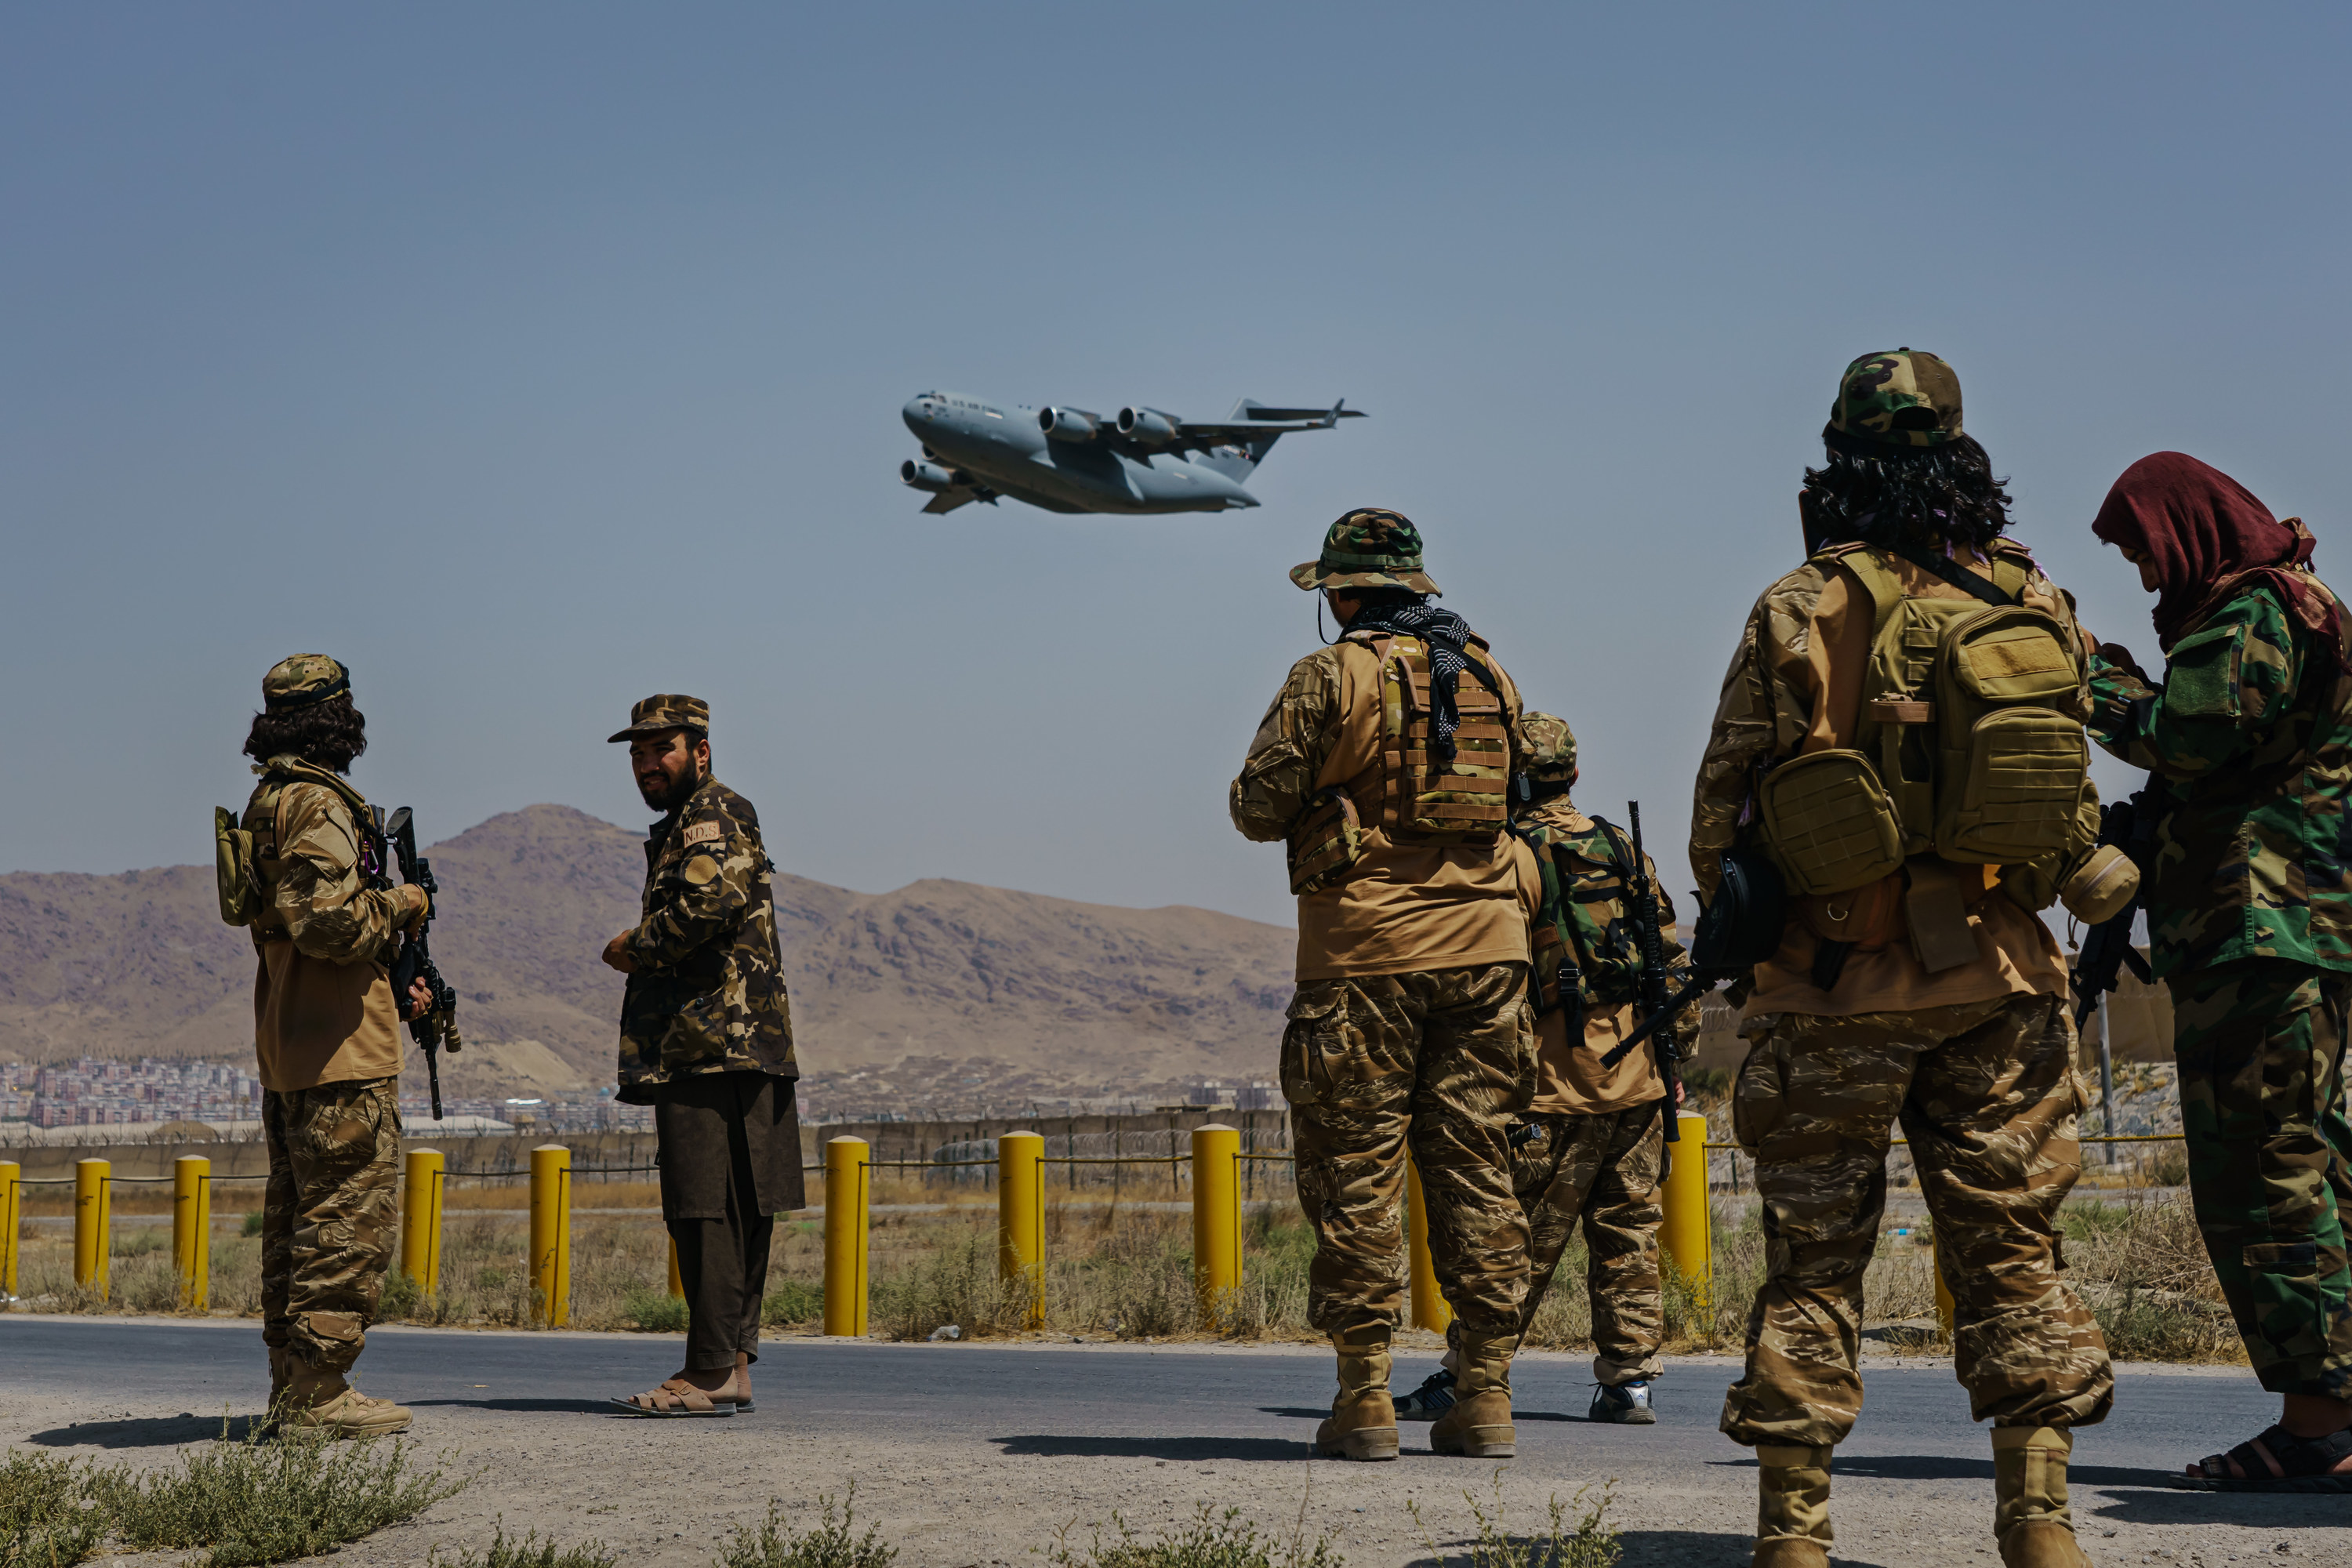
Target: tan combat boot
[(1792, 1507), (2031, 1519), (322, 1400), (1363, 1419), (1479, 1424)]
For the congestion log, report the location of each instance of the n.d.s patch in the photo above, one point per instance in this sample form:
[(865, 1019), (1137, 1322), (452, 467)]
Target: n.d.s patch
[(704, 833)]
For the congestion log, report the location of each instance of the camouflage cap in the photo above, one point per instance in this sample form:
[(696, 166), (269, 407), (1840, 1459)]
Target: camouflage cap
[(1369, 548), (1908, 400), (302, 681), (665, 711), (1551, 748)]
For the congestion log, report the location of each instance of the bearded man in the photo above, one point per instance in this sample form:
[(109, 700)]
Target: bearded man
[(707, 1041)]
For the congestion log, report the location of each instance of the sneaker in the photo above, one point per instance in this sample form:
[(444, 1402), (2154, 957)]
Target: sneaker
[(1433, 1399), (1626, 1405)]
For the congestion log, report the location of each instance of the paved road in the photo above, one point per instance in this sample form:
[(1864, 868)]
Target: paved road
[(1913, 1484)]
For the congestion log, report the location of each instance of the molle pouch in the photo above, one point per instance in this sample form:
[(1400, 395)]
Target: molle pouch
[(2014, 763), (1868, 918), (1466, 800), (232, 873), (1326, 845), (1828, 823)]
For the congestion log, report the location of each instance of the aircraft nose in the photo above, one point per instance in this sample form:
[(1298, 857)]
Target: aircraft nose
[(920, 413)]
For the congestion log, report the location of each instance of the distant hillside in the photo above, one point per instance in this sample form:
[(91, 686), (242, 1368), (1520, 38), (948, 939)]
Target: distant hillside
[(1060, 991)]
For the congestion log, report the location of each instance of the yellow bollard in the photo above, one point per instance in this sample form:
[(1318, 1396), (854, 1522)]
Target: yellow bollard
[(191, 1229), (12, 1220), (1945, 1310), (1688, 1235), (93, 1231), (677, 1284), (1429, 1307), (420, 1238), (551, 1233), (1216, 1217), (845, 1237), (1020, 1217)]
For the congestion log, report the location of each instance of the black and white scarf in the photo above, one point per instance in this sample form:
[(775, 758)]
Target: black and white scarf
[(1447, 636)]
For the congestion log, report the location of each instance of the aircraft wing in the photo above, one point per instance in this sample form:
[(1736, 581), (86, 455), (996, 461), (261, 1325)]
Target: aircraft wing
[(948, 500), (1254, 422)]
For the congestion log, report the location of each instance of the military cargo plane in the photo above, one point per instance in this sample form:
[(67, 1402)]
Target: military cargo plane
[(1068, 460)]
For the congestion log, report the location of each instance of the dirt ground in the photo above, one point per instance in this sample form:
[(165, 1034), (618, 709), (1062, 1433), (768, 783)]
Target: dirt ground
[(959, 1492)]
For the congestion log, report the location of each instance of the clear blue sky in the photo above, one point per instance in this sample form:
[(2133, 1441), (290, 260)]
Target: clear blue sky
[(534, 358)]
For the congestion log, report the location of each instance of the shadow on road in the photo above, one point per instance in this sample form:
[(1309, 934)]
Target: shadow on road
[(1952, 1467), (1655, 1548), (2162, 1505), (530, 1406), (1050, 1446), (144, 1432)]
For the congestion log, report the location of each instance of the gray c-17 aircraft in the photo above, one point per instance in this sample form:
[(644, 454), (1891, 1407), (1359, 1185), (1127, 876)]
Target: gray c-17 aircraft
[(1067, 459)]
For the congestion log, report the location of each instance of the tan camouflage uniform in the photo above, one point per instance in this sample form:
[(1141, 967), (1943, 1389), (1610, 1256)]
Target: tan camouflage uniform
[(328, 1043), (1605, 1170), (1411, 1027)]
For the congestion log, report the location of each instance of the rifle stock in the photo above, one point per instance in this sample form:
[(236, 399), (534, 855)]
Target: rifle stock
[(2129, 824)]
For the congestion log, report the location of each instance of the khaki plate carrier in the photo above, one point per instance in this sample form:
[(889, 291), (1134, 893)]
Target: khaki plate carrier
[(1406, 794), (1968, 747)]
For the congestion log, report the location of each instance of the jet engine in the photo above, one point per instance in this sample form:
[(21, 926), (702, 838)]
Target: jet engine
[(928, 476), (1068, 423), (1147, 426)]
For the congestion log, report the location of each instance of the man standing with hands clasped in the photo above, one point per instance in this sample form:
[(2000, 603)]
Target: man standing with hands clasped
[(707, 1041)]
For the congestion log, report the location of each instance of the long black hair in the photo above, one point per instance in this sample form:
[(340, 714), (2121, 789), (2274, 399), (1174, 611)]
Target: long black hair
[(1926, 497), (329, 734)]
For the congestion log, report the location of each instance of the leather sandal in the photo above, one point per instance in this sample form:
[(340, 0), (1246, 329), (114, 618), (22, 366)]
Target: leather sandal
[(675, 1397), (2294, 1465)]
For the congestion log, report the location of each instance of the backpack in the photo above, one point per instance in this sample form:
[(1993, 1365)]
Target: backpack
[(1968, 747), (238, 851)]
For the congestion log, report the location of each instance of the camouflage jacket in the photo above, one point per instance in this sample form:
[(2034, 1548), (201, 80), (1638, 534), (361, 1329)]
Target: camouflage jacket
[(708, 995), (1760, 718), (1583, 927), (2249, 737), (324, 873)]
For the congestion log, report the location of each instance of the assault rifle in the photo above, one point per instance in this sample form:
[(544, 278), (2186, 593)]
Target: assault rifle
[(2130, 825), (436, 1026), (1658, 1012)]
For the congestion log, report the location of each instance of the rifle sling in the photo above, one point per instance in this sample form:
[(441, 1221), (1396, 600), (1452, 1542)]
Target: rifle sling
[(1958, 576)]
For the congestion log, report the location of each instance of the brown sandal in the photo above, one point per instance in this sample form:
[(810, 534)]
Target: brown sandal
[(673, 1398)]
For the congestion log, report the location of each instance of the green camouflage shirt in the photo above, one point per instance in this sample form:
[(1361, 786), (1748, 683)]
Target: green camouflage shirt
[(1584, 912), (708, 995), (2250, 740)]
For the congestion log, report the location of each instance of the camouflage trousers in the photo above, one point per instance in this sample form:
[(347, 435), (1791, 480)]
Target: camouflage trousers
[(330, 1214), (1440, 1061), (1604, 1170), (2261, 1046), (1988, 1095)]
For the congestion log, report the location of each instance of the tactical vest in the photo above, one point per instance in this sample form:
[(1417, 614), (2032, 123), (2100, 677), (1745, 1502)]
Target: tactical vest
[(1966, 747), (1407, 793), (245, 862)]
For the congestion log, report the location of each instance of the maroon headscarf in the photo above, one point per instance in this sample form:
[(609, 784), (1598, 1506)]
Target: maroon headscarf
[(2210, 541)]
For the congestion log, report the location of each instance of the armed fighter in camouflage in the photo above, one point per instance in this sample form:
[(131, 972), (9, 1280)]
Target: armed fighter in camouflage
[(1068, 460)]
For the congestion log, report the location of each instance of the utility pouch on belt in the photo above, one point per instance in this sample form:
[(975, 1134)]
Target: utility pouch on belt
[(232, 873), (1829, 824), (1327, 842)]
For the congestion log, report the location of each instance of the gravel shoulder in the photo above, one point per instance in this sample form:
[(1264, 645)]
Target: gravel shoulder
[(978, 1453)]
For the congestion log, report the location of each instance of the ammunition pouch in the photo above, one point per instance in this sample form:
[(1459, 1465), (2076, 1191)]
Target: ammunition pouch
[(1828, 823), (1325, 844), (2098, 888), (239, 885)]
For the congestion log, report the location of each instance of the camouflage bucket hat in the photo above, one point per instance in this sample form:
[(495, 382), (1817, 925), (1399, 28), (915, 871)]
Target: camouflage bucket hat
[(1908, 400), (1369, 548), (303, 681), (1551, 748), (665, 711)]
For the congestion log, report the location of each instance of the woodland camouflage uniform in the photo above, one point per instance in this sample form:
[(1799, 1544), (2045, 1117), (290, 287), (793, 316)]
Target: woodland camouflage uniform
[(2249, 740), (1976, 1063), (707, 1041)]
